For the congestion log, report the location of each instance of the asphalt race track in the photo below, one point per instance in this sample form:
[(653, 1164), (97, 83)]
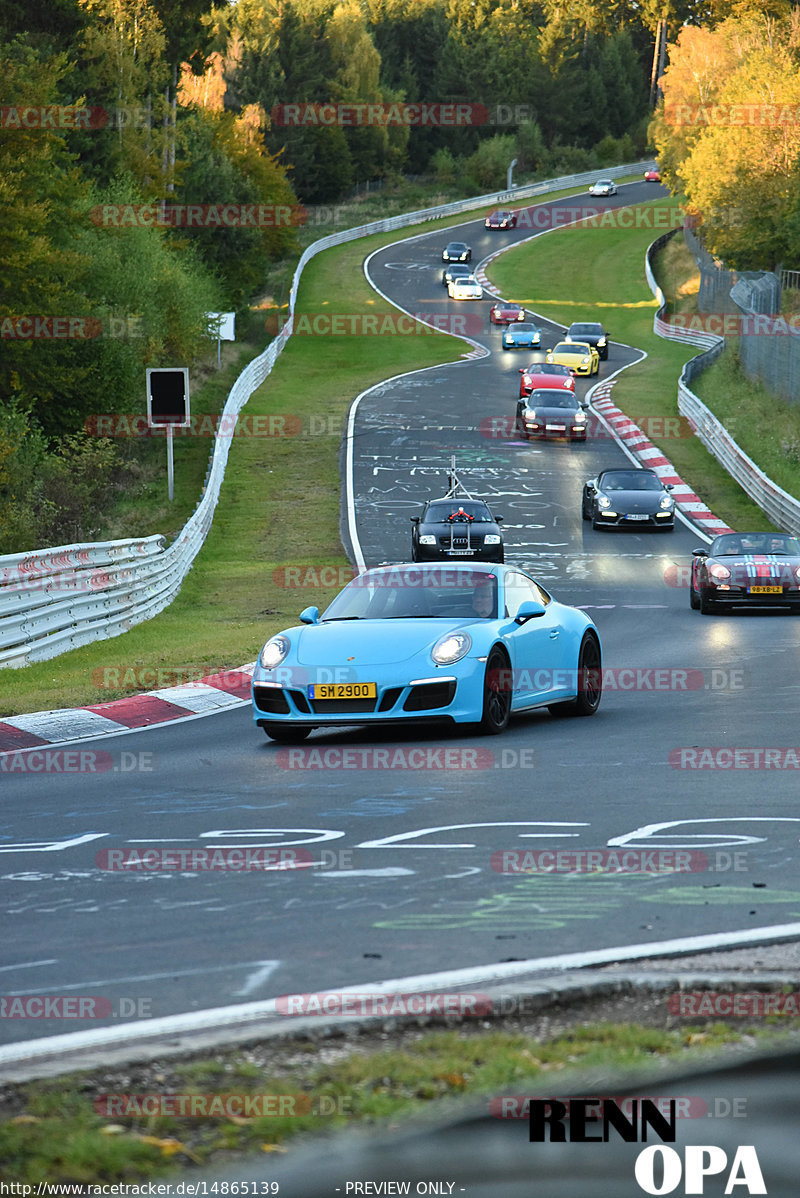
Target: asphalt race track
[(403, 879)]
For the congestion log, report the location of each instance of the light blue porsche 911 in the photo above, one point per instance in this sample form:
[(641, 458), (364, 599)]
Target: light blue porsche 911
[(431, 643)]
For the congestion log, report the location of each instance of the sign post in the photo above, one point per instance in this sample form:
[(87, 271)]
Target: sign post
[(168, 407), (221, 325)]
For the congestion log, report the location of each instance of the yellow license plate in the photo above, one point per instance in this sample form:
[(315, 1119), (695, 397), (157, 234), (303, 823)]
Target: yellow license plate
[(343, 690), (765, 590)]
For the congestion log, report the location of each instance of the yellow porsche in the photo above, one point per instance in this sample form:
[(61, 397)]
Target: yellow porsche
[(578, 356)]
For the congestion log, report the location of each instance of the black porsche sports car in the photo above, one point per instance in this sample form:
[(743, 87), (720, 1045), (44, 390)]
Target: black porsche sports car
[(456, 251), (552, 412), (591, 333), (455, 271), (761, 568), (628, 497), (456, 528)]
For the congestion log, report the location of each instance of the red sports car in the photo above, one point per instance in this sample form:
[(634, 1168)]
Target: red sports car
[(652, 176), (544, 374), (501, 219), (505, 313), (761, 568)]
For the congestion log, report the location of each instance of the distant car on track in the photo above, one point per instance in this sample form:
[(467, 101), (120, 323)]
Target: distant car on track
[(581, 358), (547, 412), (652, 176), (449, 644), (502, 218), (628, 497), (504, 312), (456, 251), (592, 333), (752, 568), (603, 187), (522, 336), (544, 374), (466, 288)]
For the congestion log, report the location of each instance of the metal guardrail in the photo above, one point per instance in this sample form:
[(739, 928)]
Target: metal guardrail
[(783, 509), (53, 600)]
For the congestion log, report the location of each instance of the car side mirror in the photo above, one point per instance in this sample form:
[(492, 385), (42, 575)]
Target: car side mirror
[(309, 615), (498, 519), (591, 487), (699, 553), (529, 610), (414, 519), (584, 403), (669, 487)]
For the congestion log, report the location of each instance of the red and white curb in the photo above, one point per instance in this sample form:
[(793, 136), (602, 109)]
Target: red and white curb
[(639, 445), (215, 692)]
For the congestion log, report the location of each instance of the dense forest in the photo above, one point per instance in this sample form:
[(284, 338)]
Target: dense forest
[(156, 157)]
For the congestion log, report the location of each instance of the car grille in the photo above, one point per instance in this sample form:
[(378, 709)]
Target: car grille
[(270, 699), (473, 542), (389, 698), (429, 696)]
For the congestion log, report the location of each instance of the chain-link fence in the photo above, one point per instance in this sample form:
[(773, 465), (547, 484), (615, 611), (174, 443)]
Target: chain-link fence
[(769, 344)]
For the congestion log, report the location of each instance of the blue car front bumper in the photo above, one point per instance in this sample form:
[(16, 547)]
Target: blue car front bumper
[(453, 695)]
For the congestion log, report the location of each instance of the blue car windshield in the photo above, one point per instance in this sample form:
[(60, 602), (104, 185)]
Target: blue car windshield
[(407, 593)]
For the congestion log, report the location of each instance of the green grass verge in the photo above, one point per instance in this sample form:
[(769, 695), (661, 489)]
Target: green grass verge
[(605, 266), (765, 426), (64, 1131)]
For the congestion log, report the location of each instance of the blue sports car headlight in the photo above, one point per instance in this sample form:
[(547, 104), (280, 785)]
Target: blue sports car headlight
[(274, 652), (451, 648)]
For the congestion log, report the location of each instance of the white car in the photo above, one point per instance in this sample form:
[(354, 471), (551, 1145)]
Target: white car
[(467, 288), (603, 187)]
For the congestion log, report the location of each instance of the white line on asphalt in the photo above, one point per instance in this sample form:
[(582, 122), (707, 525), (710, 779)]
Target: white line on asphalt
[(153, 1031)]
